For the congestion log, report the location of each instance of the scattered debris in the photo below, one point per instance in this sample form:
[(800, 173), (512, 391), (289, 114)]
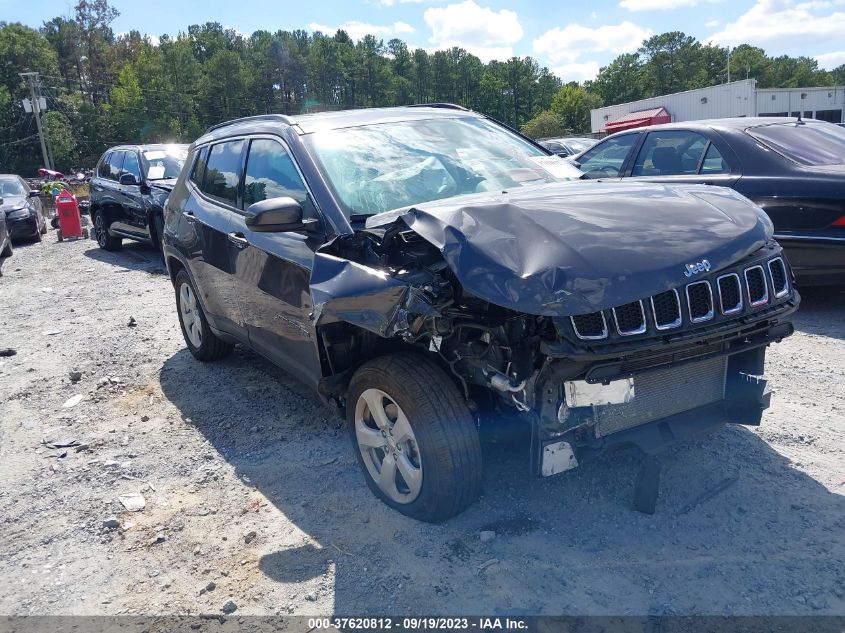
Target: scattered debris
[(249, 536), (486, 536), (487, 563), (709, 494), (73, 401), (133, 501), (111, 523), (8, 351), (132, 322), (229, 607), (60, 437), (75, 375), (51, 332), (311, 596)]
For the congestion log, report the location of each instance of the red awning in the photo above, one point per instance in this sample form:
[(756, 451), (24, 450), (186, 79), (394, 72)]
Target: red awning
[(638, 119)]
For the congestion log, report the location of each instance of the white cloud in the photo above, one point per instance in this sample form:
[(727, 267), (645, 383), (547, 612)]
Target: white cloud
[(577, 71), (482, 31), (712, 24), (390, 3), (829, 61), (786, 25), (566, 45), (655, 5), (356, 30)]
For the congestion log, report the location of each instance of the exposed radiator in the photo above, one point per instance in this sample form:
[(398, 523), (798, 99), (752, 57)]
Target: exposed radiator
[(665, 392)]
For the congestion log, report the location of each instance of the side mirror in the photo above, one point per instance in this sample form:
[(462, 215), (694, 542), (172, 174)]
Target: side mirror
[(128, 179), (277, 215)]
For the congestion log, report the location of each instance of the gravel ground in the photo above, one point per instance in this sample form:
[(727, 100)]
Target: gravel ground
[(253, 495)]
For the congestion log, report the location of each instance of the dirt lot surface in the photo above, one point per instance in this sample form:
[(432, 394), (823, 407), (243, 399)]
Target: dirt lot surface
[(252, 493)]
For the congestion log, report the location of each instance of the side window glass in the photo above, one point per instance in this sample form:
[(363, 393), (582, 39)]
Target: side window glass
[(130, 165), (270, 173), (115, 165), (607, 158), (223, 172), (103, 167), (198, 170), (670, 153), (714, 163)]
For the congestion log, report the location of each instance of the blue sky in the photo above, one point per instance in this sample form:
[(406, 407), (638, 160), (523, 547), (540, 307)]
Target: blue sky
[(572, 38)]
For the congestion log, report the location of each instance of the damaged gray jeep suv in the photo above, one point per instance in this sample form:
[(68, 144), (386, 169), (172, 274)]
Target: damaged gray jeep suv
[(427, 271)]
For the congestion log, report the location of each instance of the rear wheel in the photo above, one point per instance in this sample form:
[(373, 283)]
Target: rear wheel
[(158, 228), (201, 341), (7, 250), (414, 437), (101, 232)]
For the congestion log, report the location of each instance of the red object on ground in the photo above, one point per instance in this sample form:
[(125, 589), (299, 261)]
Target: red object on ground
[(638, 119), (70, 222), (49, 173)]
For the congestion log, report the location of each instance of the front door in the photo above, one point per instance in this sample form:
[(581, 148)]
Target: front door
[(273, 269)]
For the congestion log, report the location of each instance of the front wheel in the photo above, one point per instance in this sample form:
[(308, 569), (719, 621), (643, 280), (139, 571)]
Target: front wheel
[(414, 437), (201, 341), (7, 250)]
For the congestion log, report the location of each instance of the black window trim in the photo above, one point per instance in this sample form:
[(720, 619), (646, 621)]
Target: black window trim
[(722, 146), (286, 147), (137, 160)]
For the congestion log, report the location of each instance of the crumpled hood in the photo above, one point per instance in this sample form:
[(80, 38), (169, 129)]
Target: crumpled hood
[(12, 202), (578, 247)]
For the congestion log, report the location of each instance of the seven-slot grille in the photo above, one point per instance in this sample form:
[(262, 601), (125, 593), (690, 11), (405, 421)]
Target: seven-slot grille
[(728, 295)]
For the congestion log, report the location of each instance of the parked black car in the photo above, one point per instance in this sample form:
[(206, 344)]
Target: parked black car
[(794, 170), (427, 270), (6, 249), (569, 146), (21, 207), (128, 191)]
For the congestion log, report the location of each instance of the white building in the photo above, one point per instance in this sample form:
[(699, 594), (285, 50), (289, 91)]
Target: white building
[(738, 98)]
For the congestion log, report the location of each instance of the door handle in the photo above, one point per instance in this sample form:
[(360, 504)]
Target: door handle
[(238, 240), (189, 216)]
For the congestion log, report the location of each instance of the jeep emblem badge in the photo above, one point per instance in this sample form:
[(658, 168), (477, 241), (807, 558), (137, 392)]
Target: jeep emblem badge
[(694, 269)]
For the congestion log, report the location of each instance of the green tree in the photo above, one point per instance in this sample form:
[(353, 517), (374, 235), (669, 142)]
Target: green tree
[(547, 124), (621, 80), (572, 104)]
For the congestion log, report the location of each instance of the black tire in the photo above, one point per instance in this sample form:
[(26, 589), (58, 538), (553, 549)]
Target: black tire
[(38, 234), (8, 250), (43, 226), (446, 437), (210, 347), (101, 232)]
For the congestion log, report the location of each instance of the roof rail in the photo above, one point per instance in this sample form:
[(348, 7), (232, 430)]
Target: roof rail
[(281, 118), (448, 106)]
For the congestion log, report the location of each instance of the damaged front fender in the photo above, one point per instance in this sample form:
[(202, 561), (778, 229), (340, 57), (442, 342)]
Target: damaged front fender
[(347, 291)]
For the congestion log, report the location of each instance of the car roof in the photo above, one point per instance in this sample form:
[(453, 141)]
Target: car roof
[(309, 123), (733, 124), (146, 147)]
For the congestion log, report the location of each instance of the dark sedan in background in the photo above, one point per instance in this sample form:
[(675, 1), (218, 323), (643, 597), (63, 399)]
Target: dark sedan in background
[(564, 147), (21, 208), (794, 170)]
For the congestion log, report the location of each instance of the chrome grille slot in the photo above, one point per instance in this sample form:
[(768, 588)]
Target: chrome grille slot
[(758, 291), (700, 301), (630, 318), (666, 307), (780, 283), (730, 293), (589, 326)]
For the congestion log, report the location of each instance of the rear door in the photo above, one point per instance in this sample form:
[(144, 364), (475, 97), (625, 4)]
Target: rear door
[(609, 158), (204, 224), (106, 189), (685, 157), (273, 270)]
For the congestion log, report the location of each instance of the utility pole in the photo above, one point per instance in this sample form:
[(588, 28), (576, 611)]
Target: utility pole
[(32, 78), (729, 64)]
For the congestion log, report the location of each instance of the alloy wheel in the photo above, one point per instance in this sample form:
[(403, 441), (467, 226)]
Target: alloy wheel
[(191, 318), (388, 446), (100, 231)]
